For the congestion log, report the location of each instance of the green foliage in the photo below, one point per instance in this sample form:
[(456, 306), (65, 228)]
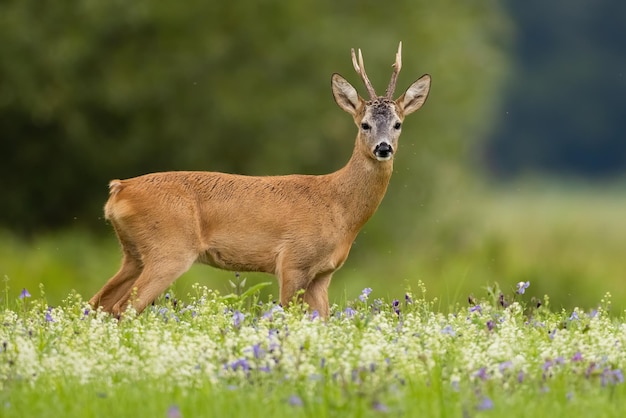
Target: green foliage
[(205, 357), (96, 90)]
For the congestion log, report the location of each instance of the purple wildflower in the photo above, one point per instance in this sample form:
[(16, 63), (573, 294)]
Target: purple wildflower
[(379, 406), (269, 315), (257, 351), (242, 364), (611, 377), (448, 330), (521, 287), (376, 305), (482, 373), (547, 365), (365, 294), (48, 316), (476, 308), (295, 400), (24, 294), (174, 412), (574, 316), (490, 325), (349, 312), (577, 356), (503, 301), (485, 404), (315, 315), (407, 298), (395, 305), (520, 377), (590, 370), (238, 318), (505, 365)]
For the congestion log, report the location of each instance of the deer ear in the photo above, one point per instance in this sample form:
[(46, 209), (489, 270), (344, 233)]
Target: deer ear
[(415, 95), (345, 95)]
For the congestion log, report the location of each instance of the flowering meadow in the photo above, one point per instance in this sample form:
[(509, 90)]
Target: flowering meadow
[(503, 354)]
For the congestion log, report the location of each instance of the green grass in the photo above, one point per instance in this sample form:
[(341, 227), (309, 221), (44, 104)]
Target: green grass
[(210, 355)]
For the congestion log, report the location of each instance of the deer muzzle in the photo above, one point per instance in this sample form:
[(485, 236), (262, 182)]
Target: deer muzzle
[(383, 151)]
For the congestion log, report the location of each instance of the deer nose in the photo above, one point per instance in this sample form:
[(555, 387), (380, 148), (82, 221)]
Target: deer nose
[(383, 151)]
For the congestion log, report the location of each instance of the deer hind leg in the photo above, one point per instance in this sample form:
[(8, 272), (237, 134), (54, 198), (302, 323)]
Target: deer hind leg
[(118, 285), (159, 272)]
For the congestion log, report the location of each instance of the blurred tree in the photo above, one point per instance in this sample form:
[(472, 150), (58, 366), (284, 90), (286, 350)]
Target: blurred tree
[(566, 102), (96, 89)]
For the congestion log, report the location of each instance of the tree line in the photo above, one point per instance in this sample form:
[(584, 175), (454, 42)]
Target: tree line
[(96, 90)]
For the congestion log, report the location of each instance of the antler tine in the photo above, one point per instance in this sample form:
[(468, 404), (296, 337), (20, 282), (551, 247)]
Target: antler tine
[(396, 70), (360, 69)]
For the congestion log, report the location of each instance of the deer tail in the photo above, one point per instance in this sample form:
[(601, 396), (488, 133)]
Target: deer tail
[(114, 187)]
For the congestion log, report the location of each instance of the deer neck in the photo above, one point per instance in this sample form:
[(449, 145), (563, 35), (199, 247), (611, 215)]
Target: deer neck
[(361, 186)]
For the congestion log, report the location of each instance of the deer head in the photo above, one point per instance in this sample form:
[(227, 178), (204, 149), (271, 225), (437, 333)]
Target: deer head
[(380, 118)]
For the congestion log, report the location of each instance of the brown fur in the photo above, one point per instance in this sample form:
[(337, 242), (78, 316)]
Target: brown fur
[(298, 227)]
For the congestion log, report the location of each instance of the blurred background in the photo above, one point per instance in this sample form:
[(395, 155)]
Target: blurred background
[(512, 171)]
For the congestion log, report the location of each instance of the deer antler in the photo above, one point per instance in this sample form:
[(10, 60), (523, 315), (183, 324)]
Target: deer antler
[(360, 69), (396, 70)]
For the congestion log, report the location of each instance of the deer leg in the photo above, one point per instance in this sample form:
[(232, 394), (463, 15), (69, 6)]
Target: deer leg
[(120, 283), (159, 272), (291, 282), (316, 294), (315, 290)]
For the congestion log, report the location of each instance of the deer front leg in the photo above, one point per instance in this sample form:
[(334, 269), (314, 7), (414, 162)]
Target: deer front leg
[(315, 289), (290, 283), (316, 294)]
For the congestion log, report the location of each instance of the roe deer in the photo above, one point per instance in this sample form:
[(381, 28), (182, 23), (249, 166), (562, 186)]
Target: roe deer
[(298, 227)]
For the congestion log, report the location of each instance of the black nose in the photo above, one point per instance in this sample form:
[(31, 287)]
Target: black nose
[(383, 151)]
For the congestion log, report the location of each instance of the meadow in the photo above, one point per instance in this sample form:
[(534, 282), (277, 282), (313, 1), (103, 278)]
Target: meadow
[(237, 356), (512, 304)]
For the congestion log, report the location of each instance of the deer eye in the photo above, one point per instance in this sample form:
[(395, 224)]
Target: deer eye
[(366, 126), (398, 125)]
